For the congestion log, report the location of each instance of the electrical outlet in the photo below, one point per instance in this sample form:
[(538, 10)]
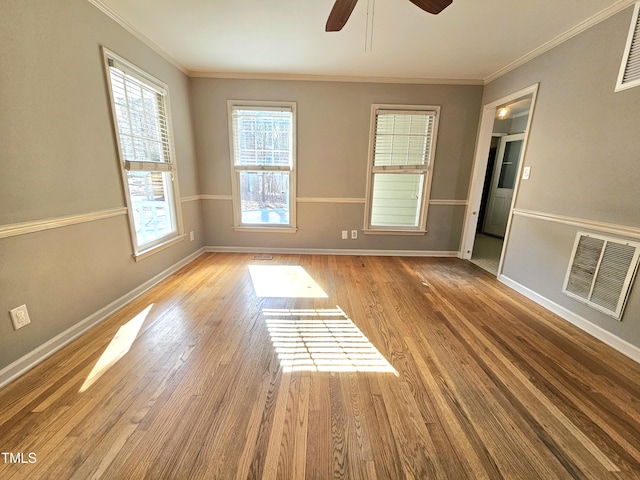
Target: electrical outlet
[(191, 236), (345, 235), (354, 234), (19, 317)]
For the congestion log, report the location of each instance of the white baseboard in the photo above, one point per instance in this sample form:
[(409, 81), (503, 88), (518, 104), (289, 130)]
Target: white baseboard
[(334, 251), (31, 359), (600, 333)]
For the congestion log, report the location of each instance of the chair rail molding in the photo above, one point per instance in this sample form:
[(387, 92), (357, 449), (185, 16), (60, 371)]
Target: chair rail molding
[(612, 228), (15, 229)]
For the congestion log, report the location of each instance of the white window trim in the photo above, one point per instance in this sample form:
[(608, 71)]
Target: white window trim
[(143, 251), (633, 39), (236, 169), (421, 229)]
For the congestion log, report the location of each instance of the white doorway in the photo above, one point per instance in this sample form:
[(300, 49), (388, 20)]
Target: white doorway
[(498, 164)]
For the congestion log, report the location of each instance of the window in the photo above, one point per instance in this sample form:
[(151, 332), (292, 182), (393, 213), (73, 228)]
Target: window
[(401, 159), (263, 158), (143, 130)]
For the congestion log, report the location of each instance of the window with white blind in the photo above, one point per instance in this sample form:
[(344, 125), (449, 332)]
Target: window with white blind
[(143, 130), (402, 150), (262, 137)]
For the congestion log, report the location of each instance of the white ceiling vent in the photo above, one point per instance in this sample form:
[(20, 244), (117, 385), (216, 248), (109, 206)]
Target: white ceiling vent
[(629, 75), (601, 271)]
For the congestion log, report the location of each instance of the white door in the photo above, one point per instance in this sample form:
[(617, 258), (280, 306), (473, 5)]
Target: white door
[(502, 183)]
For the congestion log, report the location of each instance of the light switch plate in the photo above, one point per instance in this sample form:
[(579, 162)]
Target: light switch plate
[(526, 172)]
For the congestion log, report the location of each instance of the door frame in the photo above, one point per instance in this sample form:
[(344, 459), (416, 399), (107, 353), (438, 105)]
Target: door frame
[(480, 160)]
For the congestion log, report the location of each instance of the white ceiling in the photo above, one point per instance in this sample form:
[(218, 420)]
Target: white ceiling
[(471, 40)]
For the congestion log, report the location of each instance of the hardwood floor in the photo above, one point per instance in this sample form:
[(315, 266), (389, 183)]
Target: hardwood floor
[(480, 383)]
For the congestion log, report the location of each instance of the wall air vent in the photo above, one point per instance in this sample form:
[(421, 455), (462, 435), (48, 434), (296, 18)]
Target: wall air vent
[(629, 75), (601, 272)]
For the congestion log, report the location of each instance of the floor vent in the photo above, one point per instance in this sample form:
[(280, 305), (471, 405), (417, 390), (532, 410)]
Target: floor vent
[(263, 257), (601, 272), (629, 75)]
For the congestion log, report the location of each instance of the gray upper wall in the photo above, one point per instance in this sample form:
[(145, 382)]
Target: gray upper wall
[(58, 157), (584, 144), (58, 151), (333, 120)]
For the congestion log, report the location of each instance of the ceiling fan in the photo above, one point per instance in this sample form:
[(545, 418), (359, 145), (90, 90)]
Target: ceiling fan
[(342, 10)]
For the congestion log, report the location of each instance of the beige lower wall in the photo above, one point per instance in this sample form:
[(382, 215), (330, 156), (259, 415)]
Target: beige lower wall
[(537, 257)]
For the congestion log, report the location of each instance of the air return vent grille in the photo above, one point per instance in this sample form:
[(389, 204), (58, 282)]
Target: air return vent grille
[(629, 75), (601, 272)]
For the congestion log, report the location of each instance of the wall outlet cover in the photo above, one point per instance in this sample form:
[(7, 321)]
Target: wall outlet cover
[(19, 317)]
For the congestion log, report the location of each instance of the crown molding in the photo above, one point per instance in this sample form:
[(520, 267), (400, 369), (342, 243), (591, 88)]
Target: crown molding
[(334, 78), (581, 27), (115, 16)]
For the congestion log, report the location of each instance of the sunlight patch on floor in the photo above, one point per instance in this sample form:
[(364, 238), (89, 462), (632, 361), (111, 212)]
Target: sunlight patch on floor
[(322, 340), (284, 281), (117, 348)]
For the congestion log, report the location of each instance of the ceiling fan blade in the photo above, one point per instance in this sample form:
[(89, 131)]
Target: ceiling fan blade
[(432, 6), (339, 15)]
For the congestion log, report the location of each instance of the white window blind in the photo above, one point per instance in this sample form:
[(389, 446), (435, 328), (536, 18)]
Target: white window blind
[(262, 137), (601, 272), (629, 75), (402, 155), (141, 118), (403, 139)]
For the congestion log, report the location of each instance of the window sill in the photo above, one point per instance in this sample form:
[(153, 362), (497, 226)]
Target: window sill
[(393, 232), (156, 248), (266, 229)]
